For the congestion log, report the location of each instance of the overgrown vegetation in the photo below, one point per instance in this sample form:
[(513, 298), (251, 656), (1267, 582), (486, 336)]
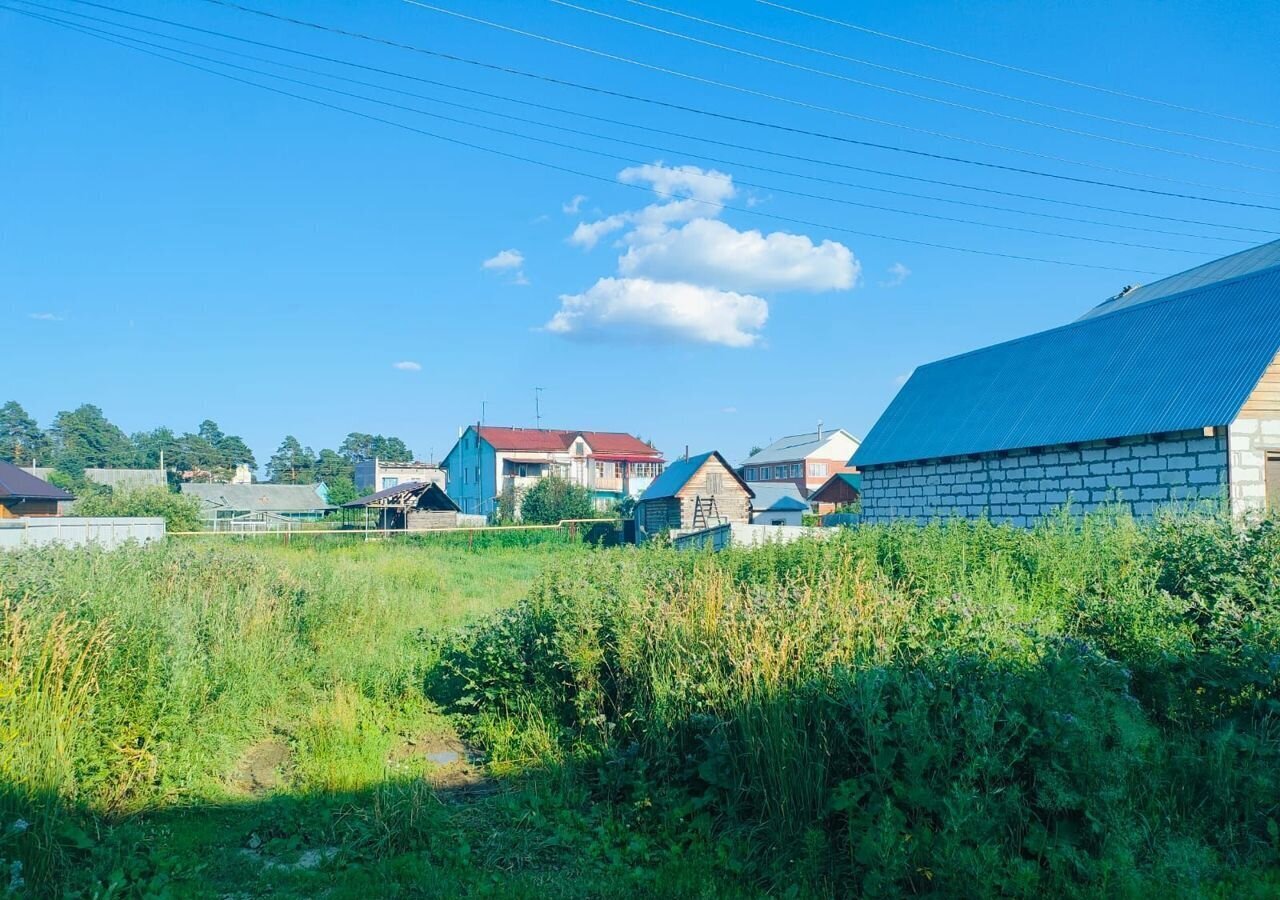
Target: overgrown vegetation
[(1089, 709), (553, 499), (964, 710), (179, 511)]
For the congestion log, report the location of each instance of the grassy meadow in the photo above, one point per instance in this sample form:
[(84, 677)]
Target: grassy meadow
[(1088, 709)]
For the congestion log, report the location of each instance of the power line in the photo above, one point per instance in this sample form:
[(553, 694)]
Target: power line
[(613, 156), (952, 84), (577, 173), (905, 93), (727, 117), (596, 135), (816, 107), (1011, 68)]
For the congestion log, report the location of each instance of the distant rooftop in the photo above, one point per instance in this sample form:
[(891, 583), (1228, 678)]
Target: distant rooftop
[(260, 497), (796, 446), (558, 440)]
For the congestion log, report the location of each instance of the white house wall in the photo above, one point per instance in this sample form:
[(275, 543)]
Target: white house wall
[(1249, 441)]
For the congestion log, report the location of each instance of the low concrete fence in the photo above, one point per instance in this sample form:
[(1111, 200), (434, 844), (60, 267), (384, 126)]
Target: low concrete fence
[(76, 531), (737, 535)]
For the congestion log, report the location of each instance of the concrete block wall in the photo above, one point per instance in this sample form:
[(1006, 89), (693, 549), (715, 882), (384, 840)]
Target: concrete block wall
[(1023, 486), (1249, 441)]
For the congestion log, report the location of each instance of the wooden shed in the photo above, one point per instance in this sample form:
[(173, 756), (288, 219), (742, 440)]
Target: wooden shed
[(23, 494), (412, 506), (697, 492)]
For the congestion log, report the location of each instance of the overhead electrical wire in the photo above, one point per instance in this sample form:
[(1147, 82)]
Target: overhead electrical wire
[(1019, 69), (816, 107), (789, 129), (913, 94), (617, 122), (910, 73), (577, 173), (573, 147)]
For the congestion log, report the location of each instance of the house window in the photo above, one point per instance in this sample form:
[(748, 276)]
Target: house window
[(751, 473), (389, 483), (578, 449), (796, 470), (779, 471), (1271, 478), (715, 483), (818, 469)]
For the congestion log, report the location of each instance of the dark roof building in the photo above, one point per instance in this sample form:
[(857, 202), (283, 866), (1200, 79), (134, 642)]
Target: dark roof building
[(23, 494), (414, 505), (1167, 392)]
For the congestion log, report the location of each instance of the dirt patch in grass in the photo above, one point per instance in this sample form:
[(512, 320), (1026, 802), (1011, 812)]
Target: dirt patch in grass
[(260, 770), (453, 769)]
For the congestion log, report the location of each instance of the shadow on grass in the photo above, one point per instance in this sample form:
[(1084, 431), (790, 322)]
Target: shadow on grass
[(537, 836)]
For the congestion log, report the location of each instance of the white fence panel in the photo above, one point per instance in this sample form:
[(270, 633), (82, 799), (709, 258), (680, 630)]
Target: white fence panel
[(79, 531)]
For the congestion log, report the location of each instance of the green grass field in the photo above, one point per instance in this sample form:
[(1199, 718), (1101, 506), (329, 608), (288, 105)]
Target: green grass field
[(1089, 709)]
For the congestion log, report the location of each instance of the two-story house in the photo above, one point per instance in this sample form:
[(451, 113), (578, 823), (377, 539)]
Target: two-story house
[(488, 459), (806, 460)]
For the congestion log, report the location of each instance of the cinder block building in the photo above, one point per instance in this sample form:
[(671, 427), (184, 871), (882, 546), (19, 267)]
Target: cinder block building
[(1167, 392)]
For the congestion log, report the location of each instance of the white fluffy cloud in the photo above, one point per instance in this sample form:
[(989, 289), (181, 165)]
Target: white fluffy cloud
[(44, 317), (407, 365), (686, 275), (709, 252), (571, 208), (898, 273), (504, 259), (686, 191), (508, 261), (629, 308)]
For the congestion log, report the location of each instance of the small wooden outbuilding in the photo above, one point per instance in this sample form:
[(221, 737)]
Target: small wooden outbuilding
[(696, 492), (412, 506), (842, 491)]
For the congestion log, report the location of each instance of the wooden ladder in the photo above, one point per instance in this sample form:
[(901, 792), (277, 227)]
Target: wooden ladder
[(704, 510)]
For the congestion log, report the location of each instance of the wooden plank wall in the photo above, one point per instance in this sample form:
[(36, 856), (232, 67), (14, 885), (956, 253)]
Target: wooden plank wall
[(732, 502), (1264, 402)]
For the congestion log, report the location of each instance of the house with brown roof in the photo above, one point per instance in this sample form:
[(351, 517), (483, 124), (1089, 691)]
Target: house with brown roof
[(489, 459)]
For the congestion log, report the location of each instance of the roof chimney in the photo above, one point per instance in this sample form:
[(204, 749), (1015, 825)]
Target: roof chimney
[(819, 429), (686, 452)]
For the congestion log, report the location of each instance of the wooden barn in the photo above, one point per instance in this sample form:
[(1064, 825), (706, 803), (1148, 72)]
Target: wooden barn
[(412, 506), (23, 494), (693, 493)]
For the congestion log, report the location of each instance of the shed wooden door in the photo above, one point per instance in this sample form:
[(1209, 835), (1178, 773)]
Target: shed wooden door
[(1272, 477)]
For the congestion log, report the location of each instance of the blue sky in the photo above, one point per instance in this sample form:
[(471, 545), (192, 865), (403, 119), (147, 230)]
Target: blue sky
[(177, 245)]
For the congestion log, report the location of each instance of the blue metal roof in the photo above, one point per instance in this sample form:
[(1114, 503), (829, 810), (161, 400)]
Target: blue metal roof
[(678, 473), (777, 496), (1183, 361), (1245, 262)]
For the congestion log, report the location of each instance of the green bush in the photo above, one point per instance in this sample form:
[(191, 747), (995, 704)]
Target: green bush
[(180, 512), (554, 499), (1089, 708)]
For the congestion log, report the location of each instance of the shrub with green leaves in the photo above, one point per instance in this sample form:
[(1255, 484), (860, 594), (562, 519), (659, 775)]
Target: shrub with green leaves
[(1089, 708), (179, 511)]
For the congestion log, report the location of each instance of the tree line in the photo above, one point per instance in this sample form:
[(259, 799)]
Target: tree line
[(84, 438)]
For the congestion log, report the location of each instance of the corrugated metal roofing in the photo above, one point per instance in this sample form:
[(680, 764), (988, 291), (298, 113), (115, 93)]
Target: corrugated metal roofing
[(678, 473), (433, 496), (20, 485), (1167, 364), (795, 447), (1236, 265), (777, 497), (260, 497)]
